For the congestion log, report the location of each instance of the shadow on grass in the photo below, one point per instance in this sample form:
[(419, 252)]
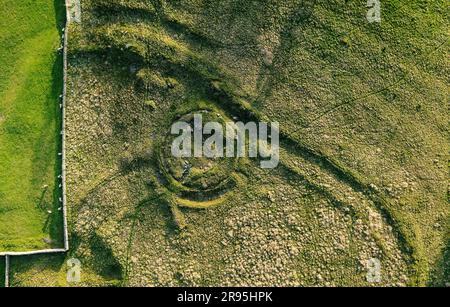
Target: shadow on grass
[(104, 262), (54, 223)]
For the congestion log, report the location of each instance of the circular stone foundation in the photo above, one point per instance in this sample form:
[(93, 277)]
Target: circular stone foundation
[(197, 181)]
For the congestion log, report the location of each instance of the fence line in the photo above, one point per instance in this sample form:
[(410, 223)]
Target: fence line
[(6, 271), (36, 252), (7, 255), (63, 141)]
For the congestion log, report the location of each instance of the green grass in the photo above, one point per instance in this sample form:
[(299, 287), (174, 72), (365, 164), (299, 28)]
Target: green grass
[(30, 83)]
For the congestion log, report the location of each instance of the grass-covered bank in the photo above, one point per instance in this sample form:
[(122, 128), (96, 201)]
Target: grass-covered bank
[(30, 123)]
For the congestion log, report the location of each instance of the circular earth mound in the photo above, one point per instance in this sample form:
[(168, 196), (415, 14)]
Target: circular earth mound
[(197, 181)]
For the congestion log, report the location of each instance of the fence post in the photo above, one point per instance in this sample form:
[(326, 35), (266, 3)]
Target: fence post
[(7, 271)]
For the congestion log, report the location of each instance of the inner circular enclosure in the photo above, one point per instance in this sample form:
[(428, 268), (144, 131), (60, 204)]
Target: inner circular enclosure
[(200, 176)]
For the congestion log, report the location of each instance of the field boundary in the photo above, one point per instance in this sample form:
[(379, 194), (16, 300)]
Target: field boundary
[(68, 4)]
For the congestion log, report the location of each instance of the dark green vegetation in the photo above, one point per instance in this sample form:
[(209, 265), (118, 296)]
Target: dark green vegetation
[(30, 124), (2, 271), (362, 113)]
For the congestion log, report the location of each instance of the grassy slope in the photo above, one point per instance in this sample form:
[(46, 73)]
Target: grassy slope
[(30, 83), (344, 86)]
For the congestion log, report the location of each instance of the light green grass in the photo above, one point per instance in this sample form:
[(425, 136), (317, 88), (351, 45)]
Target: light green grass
[(30, 83)]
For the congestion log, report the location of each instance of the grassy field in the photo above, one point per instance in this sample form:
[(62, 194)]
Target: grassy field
[(363, 119), (30, 83)]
